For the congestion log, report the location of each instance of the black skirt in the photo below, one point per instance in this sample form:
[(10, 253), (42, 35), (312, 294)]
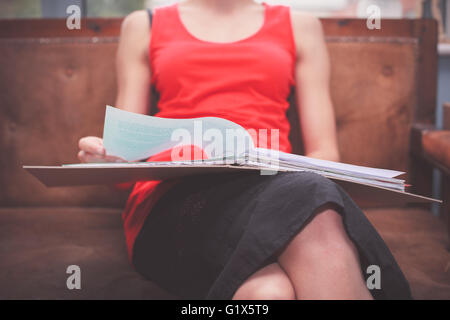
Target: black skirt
[(208, 234)]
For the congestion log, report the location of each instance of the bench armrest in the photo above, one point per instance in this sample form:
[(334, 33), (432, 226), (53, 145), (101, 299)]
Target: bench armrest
[(432, 145)]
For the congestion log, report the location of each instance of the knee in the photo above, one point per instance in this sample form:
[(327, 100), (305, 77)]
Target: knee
[(310, 181), (325, 236), (273, 289), (305, 185)]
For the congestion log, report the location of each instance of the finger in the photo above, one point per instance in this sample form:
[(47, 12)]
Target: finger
[(114, 159), (93, 145), (87, 157), (80, 156)]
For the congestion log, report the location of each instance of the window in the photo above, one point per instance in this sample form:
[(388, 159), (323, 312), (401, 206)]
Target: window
[(116, 8), (20, 9), (113, 8), (11, 9), (356, 8)]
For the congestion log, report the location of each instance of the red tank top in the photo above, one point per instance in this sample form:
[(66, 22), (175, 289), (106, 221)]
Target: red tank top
[(245, 81)]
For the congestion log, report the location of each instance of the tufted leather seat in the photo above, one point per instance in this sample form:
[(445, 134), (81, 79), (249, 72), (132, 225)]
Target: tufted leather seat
[(37, 244)]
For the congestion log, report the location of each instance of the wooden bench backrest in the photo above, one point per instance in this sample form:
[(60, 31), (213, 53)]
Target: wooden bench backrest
[(55, 83)]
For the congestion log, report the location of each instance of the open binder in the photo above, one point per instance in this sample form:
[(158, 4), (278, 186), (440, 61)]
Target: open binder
[(134, 137)]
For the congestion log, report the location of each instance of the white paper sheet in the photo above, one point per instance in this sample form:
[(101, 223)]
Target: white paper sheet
[(133, 136), (323, 164)]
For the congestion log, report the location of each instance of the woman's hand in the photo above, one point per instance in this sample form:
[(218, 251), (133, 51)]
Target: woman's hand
[(133, 75), (92, 150)]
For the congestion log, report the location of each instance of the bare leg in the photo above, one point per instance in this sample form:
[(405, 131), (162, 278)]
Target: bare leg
[(322, 262), (269, 283)]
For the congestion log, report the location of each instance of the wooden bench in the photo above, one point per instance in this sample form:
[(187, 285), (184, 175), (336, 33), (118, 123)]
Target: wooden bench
[(55, 83)]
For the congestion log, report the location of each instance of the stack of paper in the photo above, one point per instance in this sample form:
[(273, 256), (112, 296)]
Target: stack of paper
[(229, 148)]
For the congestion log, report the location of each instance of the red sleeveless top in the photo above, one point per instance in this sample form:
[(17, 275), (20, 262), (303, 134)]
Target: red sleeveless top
[(245, 81)]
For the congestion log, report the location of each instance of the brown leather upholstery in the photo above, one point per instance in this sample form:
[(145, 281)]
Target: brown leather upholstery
[(55, 92), (436, 145), (38, 244), (54, 85), (42, 242), (52, 94), (419, 243), (375, 103)]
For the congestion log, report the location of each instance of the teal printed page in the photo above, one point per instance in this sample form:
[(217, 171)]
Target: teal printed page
[(132, 136)]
